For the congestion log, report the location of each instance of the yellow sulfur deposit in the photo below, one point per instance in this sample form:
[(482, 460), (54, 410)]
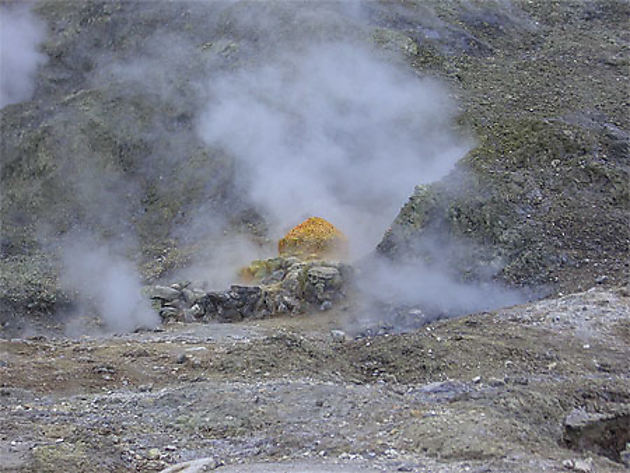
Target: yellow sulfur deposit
[(313, 238)]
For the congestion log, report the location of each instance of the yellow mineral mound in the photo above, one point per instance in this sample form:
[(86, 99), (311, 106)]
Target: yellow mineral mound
[(314, 238)]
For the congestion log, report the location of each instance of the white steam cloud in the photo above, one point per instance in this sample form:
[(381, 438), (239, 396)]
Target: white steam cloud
[(20, 34), (106, 283), (335, 131), (431, 287)]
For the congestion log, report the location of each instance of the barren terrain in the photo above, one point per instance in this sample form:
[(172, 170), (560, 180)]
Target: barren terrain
[(487, 392)]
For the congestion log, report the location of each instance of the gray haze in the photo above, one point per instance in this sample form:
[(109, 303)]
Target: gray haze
[(21, 32), (105, 283)]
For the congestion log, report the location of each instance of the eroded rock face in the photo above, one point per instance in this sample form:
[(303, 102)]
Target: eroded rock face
[(288, 285)]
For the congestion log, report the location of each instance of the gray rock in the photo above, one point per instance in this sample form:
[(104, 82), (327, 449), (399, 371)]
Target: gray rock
[(288, 289), (326, 305), (193, 313), (194, 466), (165, 293), (188, 295), (338, 335), (496, 382), (153, 454), (601, 279), (596, 432), (583, 466), (323, 283), (169, 312)]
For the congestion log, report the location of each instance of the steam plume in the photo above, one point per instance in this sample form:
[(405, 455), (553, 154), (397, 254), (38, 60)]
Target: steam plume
[(335, 131), (106, 284), (20, 34)]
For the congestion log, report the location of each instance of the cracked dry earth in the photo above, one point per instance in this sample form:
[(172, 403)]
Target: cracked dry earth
[(488, 392)]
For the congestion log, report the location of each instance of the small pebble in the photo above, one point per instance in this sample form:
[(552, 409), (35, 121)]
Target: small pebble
[(326, 305), (338, 335), (496, 382), (153, 454)]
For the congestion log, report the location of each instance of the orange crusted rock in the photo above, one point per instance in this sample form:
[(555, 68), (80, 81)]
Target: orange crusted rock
[(313, 238)]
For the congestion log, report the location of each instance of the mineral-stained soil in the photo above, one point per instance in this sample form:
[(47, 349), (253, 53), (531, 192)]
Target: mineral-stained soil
[(492, 392)]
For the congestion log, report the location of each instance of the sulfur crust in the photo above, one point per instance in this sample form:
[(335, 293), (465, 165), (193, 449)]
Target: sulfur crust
[(313, 238)]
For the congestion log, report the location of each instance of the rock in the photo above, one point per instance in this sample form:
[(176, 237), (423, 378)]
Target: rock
[(188, 295), (338, 335), (326, 305), (601, 433), (583, 466), (153, 454), (165, 293), (291, 286), (625, 456), (496, 382), (601, 279), (194, 466), (169, 313), (193, 313), (410, 223), (237, 303), (323, 283)]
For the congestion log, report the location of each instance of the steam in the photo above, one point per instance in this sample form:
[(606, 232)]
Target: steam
[(106, 284), (216, 264), (335, 131), (430, 287), (20, 34)]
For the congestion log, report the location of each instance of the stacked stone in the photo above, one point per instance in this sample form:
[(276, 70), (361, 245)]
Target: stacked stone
[(291, 287), (179, 301)]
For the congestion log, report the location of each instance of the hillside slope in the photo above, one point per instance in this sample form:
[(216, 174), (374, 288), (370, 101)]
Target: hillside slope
[(109, 142)]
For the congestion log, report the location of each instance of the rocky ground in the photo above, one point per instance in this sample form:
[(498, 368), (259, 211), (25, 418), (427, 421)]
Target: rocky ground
[(542, 387)]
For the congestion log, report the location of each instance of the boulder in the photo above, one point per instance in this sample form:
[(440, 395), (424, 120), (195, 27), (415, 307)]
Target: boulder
[(165, 293)]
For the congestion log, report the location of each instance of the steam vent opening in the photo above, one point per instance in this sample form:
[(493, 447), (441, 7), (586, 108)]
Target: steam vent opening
[(314, 238)]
